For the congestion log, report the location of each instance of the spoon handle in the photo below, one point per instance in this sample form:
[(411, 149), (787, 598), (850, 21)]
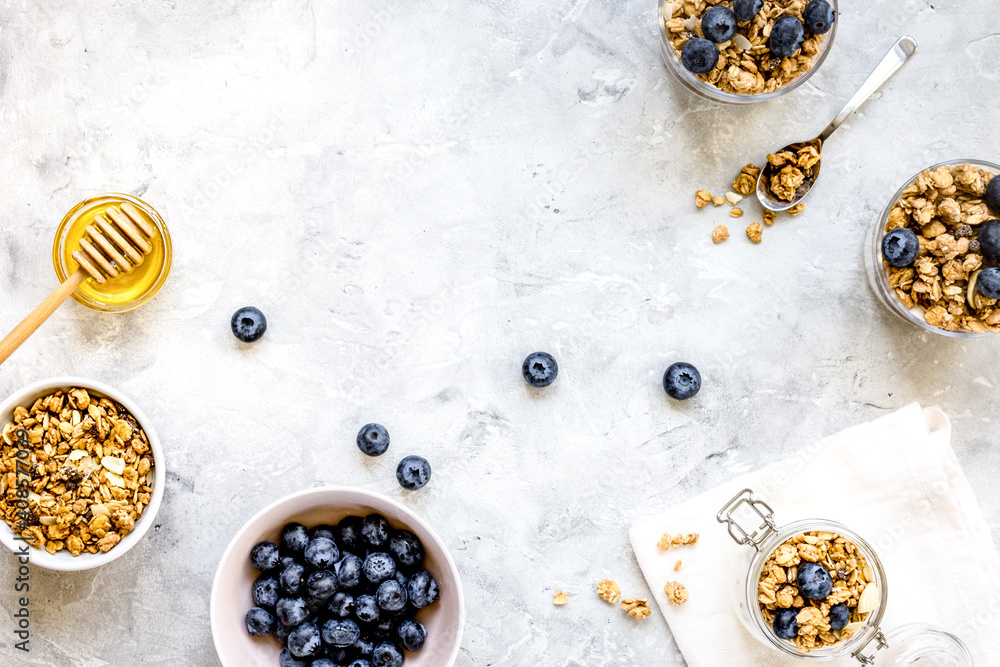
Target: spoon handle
[(900, 52)]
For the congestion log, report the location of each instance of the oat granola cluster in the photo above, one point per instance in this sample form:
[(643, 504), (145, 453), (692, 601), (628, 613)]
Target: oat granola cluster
[(790, 170), (746, 65), (745, 185), (853, 585), (89, 473), (943, 208)]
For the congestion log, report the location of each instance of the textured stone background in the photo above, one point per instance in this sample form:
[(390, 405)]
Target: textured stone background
[(418, 195)]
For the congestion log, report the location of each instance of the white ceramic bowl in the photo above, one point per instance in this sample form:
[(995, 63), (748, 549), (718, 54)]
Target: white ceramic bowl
[(231, 597), (63, 560)]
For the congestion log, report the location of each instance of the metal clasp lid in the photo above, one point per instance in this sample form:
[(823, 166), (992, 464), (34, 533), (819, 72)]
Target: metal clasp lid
[(870, 659), (742, 501)]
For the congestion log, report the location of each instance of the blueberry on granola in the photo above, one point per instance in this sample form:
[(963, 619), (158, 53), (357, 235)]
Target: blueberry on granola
[(248, 324), (785, 624), (699, 56), (305, 641), (840, 615), (294, 538), (989, 238), (747, 9), (787, 35), (373, 439), (992, 195), (266, 591), (718, 24), (988, 283), (264, 556), (900, 247), (814, 581), (413, 472), (539, 369), (681, 381), (819, 17), (260, 621)]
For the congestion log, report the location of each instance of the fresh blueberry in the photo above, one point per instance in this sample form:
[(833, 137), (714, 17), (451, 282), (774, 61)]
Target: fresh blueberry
[(360, 662), (375, 531), (292, 577), (378, 567), (699, 56), (286, 659), (718, 24), (786, 37), (406, 549), (814, 581), (266, 591), (349, 571), (989, 237), (294, 538), (260, 621), (385, 629), (264, 556), (411, 635), (413, 472), (323, 531), (785, 624), (391, 596), (341, 605), (819, 16), (421, 589), (248, 324), (366, 608), (539, 369), (373, 439), (321, 553), (681, 381), (349, 534), (281, 632), (988, 283), (305, 641), (900, 247), (992, 195), (400, 576), (321, 585), (840, 615), (338, 655), (747, 9), (341, 633), (291, 611), (387, 655), (363, 648), (323, 662)]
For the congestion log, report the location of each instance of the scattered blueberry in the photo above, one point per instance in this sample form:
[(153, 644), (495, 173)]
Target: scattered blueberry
[(718, 24), (341, 633), (349, 571), (292, 577), (413, 472), (819, 16), (900, 247), (378, 567), (291, 611), (387, 655), (305, 641), (785, 624), (264, 556), (700, 56), (840, 615), (814, 581), (988, 283), (786, 37), (341, 605), (366, 608), (321, 553), (260, 621), (540, 369), (321, 585), (421, 589), (406, 549), (681, 381), (411, 635), (328, 532), (286, 659), (747, 9), (375, 531), (248, 324), (266, 591), (373, 439), (294, 538), (992, 195), (989, 237), (391, 596)]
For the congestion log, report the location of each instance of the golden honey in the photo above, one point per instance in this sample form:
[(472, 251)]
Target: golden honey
[(126, 291)]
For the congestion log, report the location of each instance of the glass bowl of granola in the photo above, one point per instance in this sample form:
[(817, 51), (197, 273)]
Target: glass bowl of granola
[(943, 207), (82, 473), (746, 71)]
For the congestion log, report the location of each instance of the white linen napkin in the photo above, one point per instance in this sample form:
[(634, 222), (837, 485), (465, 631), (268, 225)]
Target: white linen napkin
[(896, 483)]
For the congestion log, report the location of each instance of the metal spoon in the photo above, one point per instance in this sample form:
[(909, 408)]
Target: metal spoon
[(900, 52)]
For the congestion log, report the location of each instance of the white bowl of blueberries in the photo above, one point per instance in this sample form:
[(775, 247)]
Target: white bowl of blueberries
[(337, 577)]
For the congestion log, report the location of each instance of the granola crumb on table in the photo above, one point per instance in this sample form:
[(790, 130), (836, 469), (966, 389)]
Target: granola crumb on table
[(736, 212), (637, 608), (560, 598), (669, 540), (702, 198), (677, 566), (746, 181), (720, 234), (755, 232), (769, 217), (608, 590), (676, 592)]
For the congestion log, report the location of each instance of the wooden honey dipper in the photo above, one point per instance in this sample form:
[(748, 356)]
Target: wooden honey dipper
[(109, 249)]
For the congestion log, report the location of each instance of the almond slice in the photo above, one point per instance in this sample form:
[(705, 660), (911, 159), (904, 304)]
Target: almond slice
[(115, 479), (869, 599), (47, 520), (114, 464), (100, 510), (77, 454)]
